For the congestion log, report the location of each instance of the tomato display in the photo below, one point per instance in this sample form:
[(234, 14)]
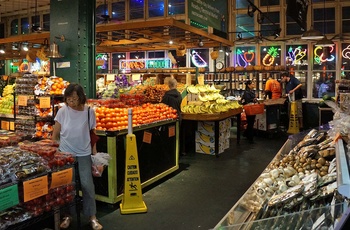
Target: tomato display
[(113, 119)]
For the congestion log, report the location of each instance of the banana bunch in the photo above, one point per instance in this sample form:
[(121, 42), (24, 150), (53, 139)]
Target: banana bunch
[(210, 108), (8, 90), (202, 89), (210, 96)]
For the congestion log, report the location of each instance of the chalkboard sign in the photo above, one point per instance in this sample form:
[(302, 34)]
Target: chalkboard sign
[(297, 9)]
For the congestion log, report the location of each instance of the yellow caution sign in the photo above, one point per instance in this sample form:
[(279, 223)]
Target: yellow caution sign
[(132, 200), (293, 119)]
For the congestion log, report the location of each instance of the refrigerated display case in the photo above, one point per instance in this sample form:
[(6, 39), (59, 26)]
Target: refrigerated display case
[(327, 211)]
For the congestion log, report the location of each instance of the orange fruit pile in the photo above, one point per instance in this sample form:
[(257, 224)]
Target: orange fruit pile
[(113, 119)]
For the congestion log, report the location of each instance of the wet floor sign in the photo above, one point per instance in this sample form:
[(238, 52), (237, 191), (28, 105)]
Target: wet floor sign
[(293, 119), (132, 200)]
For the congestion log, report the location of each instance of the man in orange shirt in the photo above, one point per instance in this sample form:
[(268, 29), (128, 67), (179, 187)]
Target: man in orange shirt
[(273, 89)]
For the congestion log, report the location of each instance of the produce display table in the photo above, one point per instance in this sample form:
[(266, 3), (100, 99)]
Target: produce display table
[(216, 118), (157, 147)]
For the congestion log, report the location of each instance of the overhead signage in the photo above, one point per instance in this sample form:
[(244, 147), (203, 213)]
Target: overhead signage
[(156, 63), (211, 13)]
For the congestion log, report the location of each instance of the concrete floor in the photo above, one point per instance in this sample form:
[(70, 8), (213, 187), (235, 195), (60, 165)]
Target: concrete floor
[(200, 193)]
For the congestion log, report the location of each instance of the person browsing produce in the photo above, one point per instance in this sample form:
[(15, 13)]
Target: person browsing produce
[(249, 97), (72, 131)]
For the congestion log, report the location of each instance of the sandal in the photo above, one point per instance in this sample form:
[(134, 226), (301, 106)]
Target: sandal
[(95, 225), (65, 222)]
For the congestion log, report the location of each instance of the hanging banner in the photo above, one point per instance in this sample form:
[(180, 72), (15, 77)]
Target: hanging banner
[(297, 9)]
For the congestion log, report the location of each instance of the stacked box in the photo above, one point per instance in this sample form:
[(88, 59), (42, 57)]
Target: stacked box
[(205, 136)]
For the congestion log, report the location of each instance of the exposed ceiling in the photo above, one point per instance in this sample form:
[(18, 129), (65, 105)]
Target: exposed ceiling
[(119, 37)]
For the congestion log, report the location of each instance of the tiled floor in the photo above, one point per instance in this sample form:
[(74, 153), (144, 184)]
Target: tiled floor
[(200, 193)]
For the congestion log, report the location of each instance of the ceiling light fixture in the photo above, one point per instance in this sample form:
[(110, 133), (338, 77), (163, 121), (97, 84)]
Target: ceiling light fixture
[(200, 43), (221, 49), (171, 42), (278, 32), (25, 47), (251, 10)]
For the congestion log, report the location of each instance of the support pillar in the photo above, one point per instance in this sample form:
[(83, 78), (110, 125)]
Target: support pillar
[(72, 27)]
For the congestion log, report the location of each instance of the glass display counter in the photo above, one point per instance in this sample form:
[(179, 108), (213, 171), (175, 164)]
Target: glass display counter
[(158, 151), (328, 211)]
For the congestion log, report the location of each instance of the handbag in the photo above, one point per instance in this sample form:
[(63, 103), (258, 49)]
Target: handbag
[(93, 137), (253, 109)]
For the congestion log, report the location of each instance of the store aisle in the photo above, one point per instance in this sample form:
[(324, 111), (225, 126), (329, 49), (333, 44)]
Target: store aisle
[(200, 193)]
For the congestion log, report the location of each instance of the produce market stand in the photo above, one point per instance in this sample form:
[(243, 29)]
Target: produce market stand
[(157, 146), (215, 117)]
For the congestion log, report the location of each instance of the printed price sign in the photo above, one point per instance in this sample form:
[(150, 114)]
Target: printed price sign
[(12, 125), (44, 102), (5, 125), (8, 197), (35, 188), (147, 137), (171, 131), (22, 100), (60, 178)]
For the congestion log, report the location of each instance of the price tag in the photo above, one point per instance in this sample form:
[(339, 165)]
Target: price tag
[(60, 178), (8, 197), (44, 102), (5, 125), (35, 188), (171, 131), (22, 100), (110, 77), (12, 125), (147, 137)]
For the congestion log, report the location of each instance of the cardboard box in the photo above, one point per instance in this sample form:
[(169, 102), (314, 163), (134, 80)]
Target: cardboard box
[(205, 139), (207, 127)]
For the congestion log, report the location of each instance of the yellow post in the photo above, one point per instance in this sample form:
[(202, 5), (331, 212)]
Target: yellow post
[(293, 119)]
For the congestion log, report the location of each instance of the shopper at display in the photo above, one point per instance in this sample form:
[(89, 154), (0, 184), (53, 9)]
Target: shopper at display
[(249, 96), (72, 131), (294, 93), (273, 89), (172, 97)]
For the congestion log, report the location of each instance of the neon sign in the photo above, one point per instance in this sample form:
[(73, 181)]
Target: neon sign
[(346, 52), (269, 58), (296, 55), (322, 58), (156, 63), (197, 60), (104, 58), (244, 58)]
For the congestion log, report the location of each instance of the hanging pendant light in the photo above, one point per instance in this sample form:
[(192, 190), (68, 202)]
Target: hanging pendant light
[(324, 42), (312, 34)]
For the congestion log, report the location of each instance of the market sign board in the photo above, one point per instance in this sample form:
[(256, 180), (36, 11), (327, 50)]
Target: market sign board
[(211, 13), (156, 63)]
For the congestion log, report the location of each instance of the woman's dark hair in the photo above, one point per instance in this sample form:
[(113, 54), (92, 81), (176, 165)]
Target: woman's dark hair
[(77, 88), (249, 82)]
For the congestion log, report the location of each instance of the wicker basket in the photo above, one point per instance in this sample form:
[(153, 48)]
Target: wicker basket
[(253, 109)]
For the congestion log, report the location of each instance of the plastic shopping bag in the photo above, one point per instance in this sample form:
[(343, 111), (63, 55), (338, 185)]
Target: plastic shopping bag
[(99, 163)]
